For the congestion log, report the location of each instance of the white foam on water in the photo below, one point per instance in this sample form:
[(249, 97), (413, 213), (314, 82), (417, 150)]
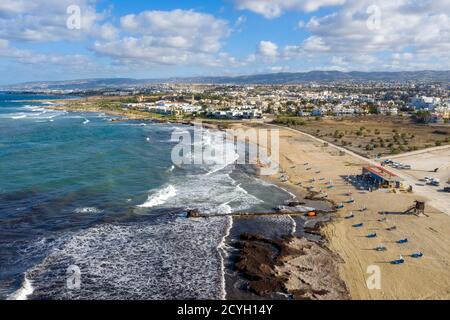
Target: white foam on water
[(86, 121), (222, 248), (211, 189), (33, 108), (294, 226), (18, 116), (209, 194), (224, 208), (174, 258), (24, 291), (87, 210), (159, 197), (219, 151)]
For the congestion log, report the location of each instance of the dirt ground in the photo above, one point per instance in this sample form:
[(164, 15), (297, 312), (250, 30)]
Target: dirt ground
[(378, 135)]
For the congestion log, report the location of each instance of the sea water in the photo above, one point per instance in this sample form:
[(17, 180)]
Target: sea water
[(78, 190)]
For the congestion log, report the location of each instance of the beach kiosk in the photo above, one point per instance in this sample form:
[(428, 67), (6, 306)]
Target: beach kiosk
[(381, 177)]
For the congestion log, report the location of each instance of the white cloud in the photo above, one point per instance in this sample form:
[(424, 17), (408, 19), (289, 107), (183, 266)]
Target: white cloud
[(315, 44), (29, 57), (178, 28), (267, 49), (403, 24), (411, 35), (167, 37), (275, 8), (46, 20)]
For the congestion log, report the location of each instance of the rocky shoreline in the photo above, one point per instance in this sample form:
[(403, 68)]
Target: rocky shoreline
[(299, 268), (282, 266)]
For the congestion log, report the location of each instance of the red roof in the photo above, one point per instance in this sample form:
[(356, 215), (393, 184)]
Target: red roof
[(381, 172)]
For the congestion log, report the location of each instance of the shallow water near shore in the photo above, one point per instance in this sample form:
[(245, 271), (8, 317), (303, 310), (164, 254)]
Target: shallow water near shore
[(79, 190)]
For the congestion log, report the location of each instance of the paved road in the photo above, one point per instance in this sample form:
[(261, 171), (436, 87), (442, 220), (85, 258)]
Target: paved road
[(413, 153), (439, 200)]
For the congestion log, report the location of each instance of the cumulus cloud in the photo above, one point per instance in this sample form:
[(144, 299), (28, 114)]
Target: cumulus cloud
[(349, 35), (315, 44), (275, 8), (30, 57), (46, 20), (378, 34), (403, 24), (167, 37), (267, 49)]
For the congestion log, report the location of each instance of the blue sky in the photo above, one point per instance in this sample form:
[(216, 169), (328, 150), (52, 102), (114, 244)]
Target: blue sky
[(159, 39)]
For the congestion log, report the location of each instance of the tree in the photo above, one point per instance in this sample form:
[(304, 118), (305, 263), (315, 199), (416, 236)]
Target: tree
[(423, 117)]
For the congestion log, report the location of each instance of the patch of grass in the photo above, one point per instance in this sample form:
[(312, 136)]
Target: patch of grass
[(289, 121)]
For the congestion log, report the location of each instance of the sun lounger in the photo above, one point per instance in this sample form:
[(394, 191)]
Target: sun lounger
[(417, 255), (359, 225), (371, 235), (350, 216), (398, 261), (401, 241)]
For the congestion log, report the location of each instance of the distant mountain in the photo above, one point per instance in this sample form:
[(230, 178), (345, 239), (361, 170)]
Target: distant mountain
[(84, 84), (272, 78), (332, 76)]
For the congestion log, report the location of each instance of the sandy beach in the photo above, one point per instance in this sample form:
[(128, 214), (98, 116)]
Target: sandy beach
[(309, 163)]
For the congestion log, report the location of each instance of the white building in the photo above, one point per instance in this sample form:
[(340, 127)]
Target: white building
[(426, 103), (386, 110)]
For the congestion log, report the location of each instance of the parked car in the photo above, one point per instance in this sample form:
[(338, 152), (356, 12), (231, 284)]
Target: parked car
[(435, 182)]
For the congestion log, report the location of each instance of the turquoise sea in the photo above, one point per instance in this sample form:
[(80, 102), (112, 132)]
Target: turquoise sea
[(81, 192)]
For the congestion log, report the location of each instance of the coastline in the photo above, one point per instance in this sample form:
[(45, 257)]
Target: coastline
[(287, 239), (354, 251)]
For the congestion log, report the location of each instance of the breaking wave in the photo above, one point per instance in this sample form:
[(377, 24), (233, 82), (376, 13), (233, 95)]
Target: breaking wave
[(23, 292), (159, 197)]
